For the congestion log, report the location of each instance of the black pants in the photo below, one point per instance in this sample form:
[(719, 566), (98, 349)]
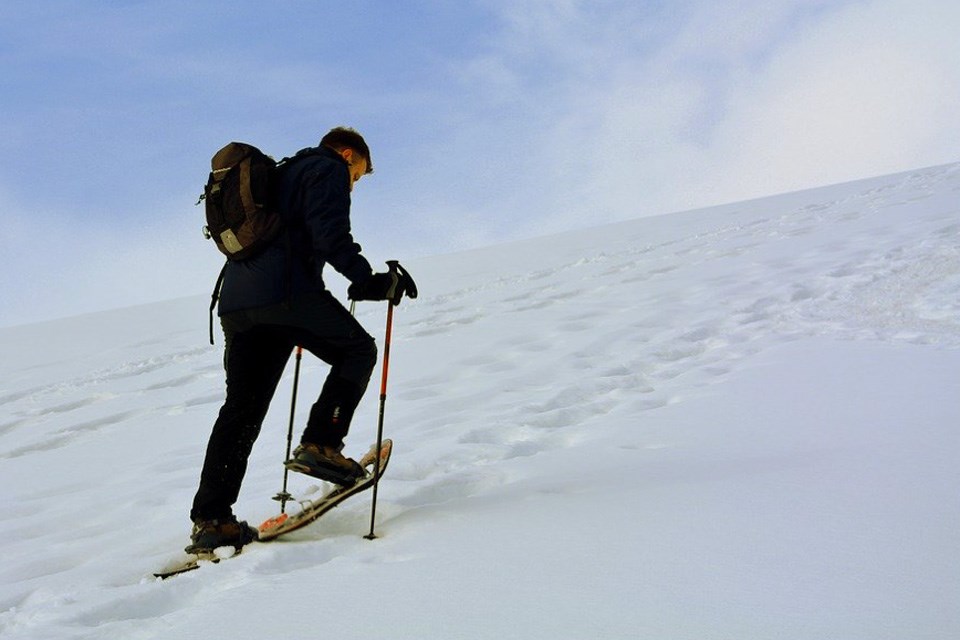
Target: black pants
[(258, 344)]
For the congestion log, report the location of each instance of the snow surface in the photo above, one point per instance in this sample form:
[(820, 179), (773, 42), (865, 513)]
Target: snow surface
[(738, 422)]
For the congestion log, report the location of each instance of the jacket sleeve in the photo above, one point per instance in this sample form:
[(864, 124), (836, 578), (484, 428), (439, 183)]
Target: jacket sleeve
[(326, 212)]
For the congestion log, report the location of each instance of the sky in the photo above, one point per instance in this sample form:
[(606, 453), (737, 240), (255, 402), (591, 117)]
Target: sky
[(488, 120)]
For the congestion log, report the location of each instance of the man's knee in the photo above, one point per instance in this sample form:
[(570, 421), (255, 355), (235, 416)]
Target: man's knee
[(370, 352), (362, 360)]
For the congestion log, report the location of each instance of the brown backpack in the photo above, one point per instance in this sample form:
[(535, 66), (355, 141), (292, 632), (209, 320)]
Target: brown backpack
[(240, 202)]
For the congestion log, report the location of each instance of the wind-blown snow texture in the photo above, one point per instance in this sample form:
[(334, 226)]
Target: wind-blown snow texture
[(739, 422)]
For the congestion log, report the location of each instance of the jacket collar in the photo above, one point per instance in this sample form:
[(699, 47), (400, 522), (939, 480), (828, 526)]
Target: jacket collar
[(320, 151)]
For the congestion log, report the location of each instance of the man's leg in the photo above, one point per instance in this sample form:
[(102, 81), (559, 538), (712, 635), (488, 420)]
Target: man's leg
[(352, 355), (254, 360), (331, 415), (321, 325)]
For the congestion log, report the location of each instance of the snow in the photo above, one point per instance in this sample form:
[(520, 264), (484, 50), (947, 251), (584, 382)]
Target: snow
[(738, 422)]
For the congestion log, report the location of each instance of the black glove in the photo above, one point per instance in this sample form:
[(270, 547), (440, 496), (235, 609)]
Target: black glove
[(391, 286)]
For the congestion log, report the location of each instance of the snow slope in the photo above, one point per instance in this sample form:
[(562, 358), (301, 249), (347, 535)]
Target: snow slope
[(739, 422)]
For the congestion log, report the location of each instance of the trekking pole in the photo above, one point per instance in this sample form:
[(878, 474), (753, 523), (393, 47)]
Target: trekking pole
[(285, 495), (383, 402), (410, 292)]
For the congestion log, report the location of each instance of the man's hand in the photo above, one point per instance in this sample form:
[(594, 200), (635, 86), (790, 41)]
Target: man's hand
[(392, 286)]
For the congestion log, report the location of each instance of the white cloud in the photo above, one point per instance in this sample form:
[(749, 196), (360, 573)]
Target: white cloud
[(872, 90), (60, 265), (558, 114), (622, 113)]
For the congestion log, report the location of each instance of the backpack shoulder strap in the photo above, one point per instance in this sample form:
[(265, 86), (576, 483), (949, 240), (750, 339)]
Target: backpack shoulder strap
[(215, 297)]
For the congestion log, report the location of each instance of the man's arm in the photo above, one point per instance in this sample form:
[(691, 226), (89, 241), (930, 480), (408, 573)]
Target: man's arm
[(326, 207)]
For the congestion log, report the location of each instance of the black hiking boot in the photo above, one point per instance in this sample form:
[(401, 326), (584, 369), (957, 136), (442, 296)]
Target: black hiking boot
[(208, 535), (325, 463)]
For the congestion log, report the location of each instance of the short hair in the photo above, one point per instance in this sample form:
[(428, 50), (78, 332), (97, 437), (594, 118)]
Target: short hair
[(340, 138)]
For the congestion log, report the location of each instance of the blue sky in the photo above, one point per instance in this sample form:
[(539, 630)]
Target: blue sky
[(489, 120)]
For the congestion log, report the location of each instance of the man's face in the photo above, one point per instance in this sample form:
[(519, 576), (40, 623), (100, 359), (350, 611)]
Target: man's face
[(356, 165)]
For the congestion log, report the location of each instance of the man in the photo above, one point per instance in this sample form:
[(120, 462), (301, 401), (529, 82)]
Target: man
[(275, 300)]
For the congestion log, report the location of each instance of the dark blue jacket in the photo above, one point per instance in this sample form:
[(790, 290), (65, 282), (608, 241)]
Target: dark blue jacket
[(314, 200)]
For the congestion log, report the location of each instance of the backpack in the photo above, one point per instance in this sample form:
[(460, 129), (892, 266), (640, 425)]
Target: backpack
[(240, 202)]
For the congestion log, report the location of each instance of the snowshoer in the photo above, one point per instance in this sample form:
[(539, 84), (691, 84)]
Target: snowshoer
[(276, 300)]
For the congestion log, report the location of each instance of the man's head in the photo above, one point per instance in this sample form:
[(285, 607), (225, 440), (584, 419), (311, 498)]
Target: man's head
[(352, 148)]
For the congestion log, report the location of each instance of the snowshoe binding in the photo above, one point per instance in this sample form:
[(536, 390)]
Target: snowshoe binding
[(325, 463), (208, 535)]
